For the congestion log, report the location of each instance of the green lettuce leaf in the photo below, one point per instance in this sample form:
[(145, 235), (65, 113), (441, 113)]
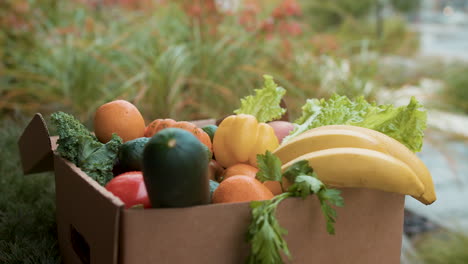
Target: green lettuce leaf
[(405, 124), (265, 104)]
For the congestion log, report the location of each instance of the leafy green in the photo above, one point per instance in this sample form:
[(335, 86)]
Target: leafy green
[(71, 135), (327, 198), (269, 167), (80, 146), (265, 234), (265, 104), (99, 162), (405, 124), (305, 185), (297, 168)]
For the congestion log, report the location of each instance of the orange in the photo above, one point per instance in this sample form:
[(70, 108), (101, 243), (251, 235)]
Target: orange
[(120, 117), (240, 169), (274, 187), (247, 170), (241, 188)]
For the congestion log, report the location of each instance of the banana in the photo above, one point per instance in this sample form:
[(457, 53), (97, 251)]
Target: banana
[(314, 140), (362, 168), (397, 150)]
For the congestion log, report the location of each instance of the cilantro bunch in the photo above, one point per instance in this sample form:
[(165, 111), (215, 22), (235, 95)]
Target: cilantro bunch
[(265, 233)]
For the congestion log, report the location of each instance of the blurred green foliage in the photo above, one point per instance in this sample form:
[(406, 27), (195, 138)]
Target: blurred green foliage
[(456, 93), (443, 248), (322, 15), (167, 62)]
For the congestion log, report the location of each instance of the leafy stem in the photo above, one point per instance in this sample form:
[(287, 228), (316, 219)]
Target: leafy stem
[(265, 233)]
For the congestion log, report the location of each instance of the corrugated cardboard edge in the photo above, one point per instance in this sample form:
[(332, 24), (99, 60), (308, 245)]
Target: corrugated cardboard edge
[(88, 209), (35, 147)]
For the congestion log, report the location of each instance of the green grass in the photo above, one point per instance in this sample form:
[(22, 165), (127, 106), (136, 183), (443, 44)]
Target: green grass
[(443, 248), (27, 206), (456, 93)]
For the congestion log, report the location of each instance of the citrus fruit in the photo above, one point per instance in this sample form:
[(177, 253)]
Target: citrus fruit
[(240, 169), (241, 189), (120, 117), (251, 171), (274, 187)]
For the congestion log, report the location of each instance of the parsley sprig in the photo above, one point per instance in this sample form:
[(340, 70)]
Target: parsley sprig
[(265, 233)]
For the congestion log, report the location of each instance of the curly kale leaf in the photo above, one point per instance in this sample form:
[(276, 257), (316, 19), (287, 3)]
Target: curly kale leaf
[(80, 146), (99, 162), (71, 134)]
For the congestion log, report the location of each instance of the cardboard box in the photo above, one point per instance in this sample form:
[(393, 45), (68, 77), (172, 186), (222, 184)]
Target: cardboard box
[(94, 226)]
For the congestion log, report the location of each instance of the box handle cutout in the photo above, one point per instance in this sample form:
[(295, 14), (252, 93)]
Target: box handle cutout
[(80, 246)]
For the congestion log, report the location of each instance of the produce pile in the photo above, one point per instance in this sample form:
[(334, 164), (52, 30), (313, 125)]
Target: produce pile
[(253, 157)]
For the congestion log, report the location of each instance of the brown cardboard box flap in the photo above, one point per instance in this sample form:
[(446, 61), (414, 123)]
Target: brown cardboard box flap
[(35, 146), (88, 216)]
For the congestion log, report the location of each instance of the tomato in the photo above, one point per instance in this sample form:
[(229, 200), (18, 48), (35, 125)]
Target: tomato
[(130, 188)]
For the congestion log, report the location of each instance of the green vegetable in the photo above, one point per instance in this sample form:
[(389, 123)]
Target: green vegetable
[(80, 146), (405, 123), (265, 234), (265, 104), (131, 154), (268, 165), (175, 169), (210, 130)]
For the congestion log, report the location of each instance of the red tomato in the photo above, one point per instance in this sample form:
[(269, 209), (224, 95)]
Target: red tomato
[(130, 188)]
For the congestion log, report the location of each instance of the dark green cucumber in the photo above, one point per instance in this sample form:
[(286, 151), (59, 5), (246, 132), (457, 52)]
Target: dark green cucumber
[(175, 169)]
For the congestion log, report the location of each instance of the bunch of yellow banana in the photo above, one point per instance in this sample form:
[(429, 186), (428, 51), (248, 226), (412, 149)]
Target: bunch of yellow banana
[(350, 156)]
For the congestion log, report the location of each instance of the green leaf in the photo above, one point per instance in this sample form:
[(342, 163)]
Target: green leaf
[(77, 144), (327, 198), (100, 162), (305, 185), (332, 195), (265, 104), (405, 124), (265, 235), (298, 168), (269, 167)]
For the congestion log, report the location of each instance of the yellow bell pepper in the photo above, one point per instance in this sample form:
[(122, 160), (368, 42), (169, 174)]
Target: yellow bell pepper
[(239, 138)]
